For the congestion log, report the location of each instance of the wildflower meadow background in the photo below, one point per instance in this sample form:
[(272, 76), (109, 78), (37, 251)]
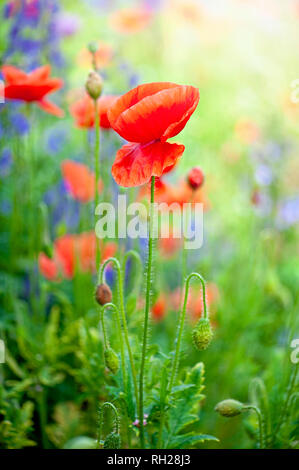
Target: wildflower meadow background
[(114, 343)]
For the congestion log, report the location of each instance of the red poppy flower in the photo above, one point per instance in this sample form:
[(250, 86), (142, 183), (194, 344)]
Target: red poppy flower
[(32, 87), (148, 116), (79, 180), (83, 111), (74, 250)]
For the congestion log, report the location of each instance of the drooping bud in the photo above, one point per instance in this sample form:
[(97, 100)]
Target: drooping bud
[(112, 441), (94, 85), (103, 294), (202, 334), (111, 360), (229, 408), (195, 177)]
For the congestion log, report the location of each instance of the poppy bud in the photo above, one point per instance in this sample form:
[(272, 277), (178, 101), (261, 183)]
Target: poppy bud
[(112, 441), (195, 177), (94, 85), (103, 294), (202, 334), (229, 408), (92, 47), (111, 360)]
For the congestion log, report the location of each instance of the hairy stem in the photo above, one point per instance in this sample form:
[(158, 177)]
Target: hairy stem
[(123, 315), (260, 421), (97, 168), (178, 340), (146, 311), (122, 349)]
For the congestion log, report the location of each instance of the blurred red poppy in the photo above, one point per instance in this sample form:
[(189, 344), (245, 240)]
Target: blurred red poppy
[(32, 87), (80, 181), (159, 308), (83, 111), (194, 302), (74, 250), (148, 116)]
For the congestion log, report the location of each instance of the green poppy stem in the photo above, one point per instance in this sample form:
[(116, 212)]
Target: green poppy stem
[(178, 341), (123, 315), (118, 322), (146, 311), (97, 168), (260, 421)]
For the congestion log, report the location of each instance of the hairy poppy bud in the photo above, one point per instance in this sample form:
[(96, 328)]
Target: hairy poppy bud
[(112, 441), (111, 360), (202, 334), (229, 408), (103, 294), (196, 177), (94, 85)]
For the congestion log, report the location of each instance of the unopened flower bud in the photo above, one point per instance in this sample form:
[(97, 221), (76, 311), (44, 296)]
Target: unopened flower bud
[(202, 334), (103, 294), (229, 408), (92, 47), (94, 85), (112, 441), (196, 177), (111, 360)]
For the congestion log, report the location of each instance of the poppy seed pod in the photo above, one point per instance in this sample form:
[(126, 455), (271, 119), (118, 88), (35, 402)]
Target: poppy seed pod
[(103, 294), (202, 334), (112, 441), (111, 360), (229, 408), (195, 177), (94, 85)]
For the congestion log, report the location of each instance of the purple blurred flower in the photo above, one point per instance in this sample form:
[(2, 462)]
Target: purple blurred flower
[(67, 24), (5, 162), (263, 175), (288, 212)]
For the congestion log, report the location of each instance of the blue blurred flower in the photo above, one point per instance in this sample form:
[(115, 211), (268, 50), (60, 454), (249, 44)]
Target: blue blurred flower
[(5, 161), (20, 123), (55, 140)]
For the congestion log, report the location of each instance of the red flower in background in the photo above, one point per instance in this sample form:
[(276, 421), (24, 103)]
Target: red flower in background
[(32, 87), (159, 308), (83, 111), (195, 302), (72, 250), (80, 181), (148, 116)]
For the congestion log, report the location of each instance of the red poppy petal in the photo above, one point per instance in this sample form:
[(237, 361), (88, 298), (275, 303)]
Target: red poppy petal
[(50, 108), (12, 74), (41, 73), (160, 110), (134, 96), (47, 267), (135, 164)]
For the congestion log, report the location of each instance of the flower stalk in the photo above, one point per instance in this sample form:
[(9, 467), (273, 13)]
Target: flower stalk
[(147, 309)]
